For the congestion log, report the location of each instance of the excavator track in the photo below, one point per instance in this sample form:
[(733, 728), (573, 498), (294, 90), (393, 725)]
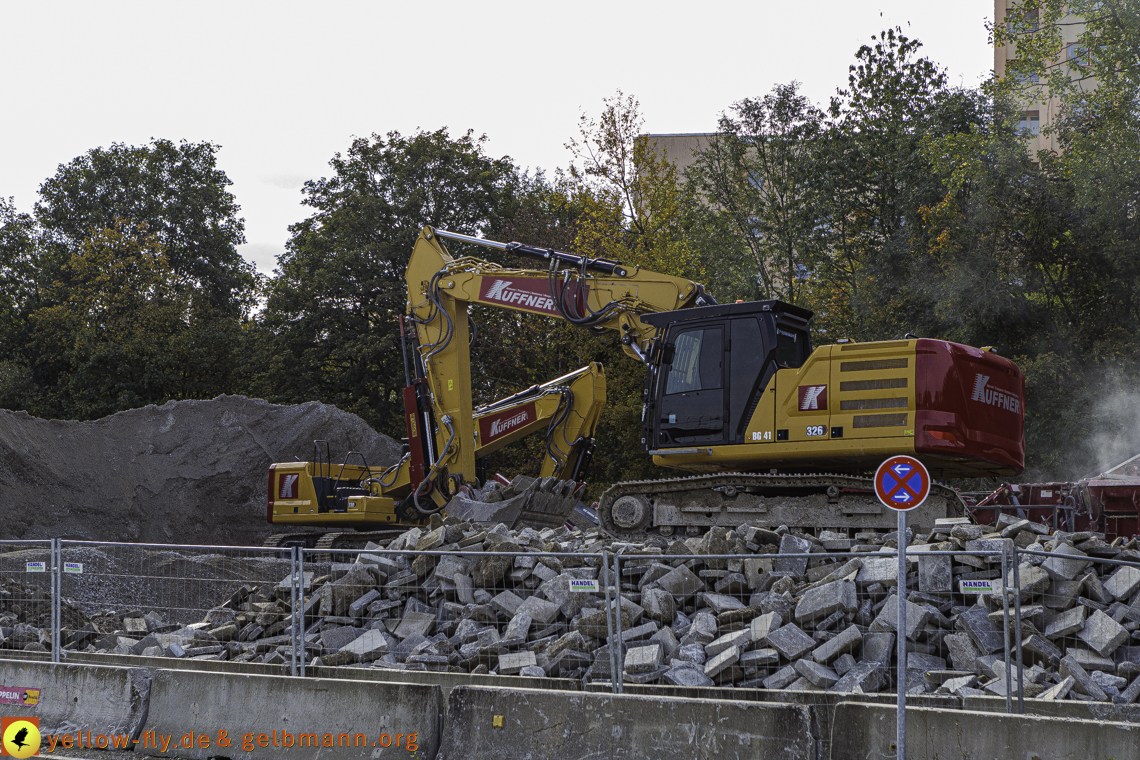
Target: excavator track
[(811, 503), (329, 541)]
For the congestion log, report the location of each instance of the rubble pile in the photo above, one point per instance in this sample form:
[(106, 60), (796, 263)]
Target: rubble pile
[(184, 472), (782, 611)]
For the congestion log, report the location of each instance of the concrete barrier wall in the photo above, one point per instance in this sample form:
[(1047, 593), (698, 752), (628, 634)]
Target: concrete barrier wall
[(486, 723), (867, 732), (1064, 708), (75, 698), (259, 714)]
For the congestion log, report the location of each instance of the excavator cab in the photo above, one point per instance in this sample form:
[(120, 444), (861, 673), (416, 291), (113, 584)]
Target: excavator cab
[(709, 368)]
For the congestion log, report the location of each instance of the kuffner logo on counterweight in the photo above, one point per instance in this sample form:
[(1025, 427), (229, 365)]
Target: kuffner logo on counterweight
[(1002, 399)]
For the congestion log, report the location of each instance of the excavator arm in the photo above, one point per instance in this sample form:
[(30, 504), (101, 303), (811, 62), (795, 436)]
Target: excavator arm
[(599, 294)]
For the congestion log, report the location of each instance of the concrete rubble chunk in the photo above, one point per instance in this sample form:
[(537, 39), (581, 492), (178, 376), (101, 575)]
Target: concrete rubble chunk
[(763, 625), (507, 603), (722, 661), (963, 654), (540, 610), (887, 619), (818, 603), (1123, 583), (420, 623), (1058, 691), (790, 544), (864, 678), (681, 582), (782, 678), (882, 570), (719, 603), (1103, 634), (1090, 660), (511, 663), (935, 574), (760, 658), (1082, 682), (668, 641), (848, 641), (1034, 581), (690, 676), (1130, 693), (369, 646), (1067, 623), (790, 641), (694, 653), (985, 635), (643, 659), (519, 626), (659, 605), (819, 675), (1042, 649), (741, 639), (1061, 567)]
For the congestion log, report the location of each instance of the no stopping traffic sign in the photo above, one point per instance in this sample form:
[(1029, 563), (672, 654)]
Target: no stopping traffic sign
[(902, 483)]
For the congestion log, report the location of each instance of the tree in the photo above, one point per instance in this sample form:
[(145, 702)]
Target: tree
[(632, 193), (17, 243), (872, 177), (126, 287), (332, 308), (117, 328), (174, 191), (755, 179)]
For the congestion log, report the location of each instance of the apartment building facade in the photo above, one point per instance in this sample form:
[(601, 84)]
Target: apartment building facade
[(1041, 111)]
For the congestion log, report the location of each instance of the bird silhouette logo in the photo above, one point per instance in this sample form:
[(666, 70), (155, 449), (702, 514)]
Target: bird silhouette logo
[(21, 737)]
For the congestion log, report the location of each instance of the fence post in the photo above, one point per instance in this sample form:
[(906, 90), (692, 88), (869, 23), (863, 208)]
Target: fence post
[(1005, 625), (616, 641), (609, 621), (1017, 621), (301, 607), (293, 608), (56, 592)]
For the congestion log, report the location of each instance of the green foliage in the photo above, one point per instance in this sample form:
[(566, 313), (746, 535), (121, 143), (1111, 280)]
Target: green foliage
[(126, 287), (174, 192), (756, 179), (121, 330), (331, 314)]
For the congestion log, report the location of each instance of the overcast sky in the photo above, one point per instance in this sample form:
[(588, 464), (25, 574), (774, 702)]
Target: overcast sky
[(282, 86)]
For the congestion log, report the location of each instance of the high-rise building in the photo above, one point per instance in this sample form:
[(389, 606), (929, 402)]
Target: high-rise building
[(1040, 110)]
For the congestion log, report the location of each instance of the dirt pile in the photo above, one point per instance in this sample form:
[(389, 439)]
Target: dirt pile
[(183, 472)]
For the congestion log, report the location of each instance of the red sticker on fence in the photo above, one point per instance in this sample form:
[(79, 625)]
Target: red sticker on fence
[(19, 695)]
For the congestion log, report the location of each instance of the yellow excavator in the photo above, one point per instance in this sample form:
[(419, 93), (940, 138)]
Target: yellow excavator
[(778, 433)]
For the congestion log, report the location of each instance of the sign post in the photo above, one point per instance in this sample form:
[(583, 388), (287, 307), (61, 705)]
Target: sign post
[(902, 484)]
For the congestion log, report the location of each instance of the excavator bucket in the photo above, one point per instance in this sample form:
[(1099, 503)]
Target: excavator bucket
[(527, 502)]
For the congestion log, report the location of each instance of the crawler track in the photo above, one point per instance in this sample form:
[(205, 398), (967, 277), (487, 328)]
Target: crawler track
[(824, 501)]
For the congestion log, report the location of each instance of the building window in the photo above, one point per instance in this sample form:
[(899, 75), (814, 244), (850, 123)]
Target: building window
[(1025, 24), (1030, 123), (1076, 55), (1021, 77)]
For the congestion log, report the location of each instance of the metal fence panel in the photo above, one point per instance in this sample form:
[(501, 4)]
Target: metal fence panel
[(172, 601), (26, 600)]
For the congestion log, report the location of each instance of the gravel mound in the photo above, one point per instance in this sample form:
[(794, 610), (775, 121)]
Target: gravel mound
[(188, 472)]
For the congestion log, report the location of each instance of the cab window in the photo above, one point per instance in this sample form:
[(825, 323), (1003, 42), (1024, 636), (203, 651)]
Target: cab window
[(791, 348), (696, 362)]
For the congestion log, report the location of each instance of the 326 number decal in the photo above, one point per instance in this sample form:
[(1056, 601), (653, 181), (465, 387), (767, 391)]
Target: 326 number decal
[(816, 430)]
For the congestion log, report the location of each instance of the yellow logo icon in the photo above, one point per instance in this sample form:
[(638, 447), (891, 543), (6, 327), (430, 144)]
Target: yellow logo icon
[(21, 737)]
